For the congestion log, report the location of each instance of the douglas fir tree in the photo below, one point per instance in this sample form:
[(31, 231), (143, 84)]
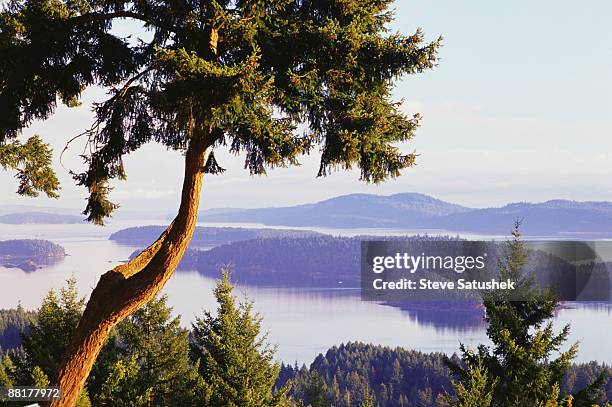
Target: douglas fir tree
[(526, 365), (236, 363), (213, 74)]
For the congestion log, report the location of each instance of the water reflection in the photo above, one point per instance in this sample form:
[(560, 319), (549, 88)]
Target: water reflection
[(306, 322), (459, 316)]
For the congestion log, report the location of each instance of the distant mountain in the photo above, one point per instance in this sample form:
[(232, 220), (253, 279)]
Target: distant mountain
[(418, 211), (355, 210), (555, 217), (75, 215), (203, 236), (8, 209), (39, 218)]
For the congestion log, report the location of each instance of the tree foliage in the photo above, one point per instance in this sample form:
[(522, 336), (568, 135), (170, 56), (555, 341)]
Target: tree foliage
[(50, 334), (133, 371), (236, 363), (32, 162), (13, 322), (240, 74), (526, 365), (47, 338), (355, 373), (476, 390), (152, 366)]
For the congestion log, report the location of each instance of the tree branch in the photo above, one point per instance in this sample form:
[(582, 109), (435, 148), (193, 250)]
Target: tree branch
[(91, 17)]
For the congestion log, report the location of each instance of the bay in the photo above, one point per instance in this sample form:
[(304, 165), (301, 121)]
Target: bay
[(301, 322)]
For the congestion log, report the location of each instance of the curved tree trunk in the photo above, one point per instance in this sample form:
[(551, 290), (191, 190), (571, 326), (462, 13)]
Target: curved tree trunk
[(127, 287)]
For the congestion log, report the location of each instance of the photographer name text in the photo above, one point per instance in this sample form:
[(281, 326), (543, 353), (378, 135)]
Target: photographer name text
[(427, 284)]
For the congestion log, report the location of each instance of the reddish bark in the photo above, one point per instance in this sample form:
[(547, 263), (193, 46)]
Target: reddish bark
[(126, 288)]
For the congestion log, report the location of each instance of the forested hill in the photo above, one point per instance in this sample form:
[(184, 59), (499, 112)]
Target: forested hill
[(320, 261), (29, 254), (418, 211), (345, 374), (31, 248), (393, 377), (316, 261), (203, 236)]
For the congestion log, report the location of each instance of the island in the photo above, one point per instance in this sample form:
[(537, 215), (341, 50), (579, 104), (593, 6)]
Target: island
[(331, 262), (207, 237), (29, 254), (320, 261)]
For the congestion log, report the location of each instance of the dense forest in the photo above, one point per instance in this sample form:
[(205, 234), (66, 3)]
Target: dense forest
[(344, 376), (13, 324), (203, 236), (347, 374), (320, 261)]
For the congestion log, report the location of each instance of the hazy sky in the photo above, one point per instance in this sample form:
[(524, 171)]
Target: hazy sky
[(518, 110)]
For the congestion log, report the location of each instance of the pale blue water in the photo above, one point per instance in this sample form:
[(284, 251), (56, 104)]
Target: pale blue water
[(301, 322)]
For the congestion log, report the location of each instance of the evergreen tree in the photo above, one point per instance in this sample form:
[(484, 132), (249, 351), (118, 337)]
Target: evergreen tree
[(13, 323), (49, 336), (7, 370), (368, 400), (122, 386), (214, 74), (520, 364), (236, 363), (475, 391), (7, 374), (32, 162), (314, 392), (154, 366), (39, 378)]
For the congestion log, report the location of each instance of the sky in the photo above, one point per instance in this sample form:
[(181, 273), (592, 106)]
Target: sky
[(519, 109)]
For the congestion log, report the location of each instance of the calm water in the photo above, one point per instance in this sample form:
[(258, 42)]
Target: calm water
[(302, 323)]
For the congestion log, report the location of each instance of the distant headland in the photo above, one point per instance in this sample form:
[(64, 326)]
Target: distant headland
[(39, 218)]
